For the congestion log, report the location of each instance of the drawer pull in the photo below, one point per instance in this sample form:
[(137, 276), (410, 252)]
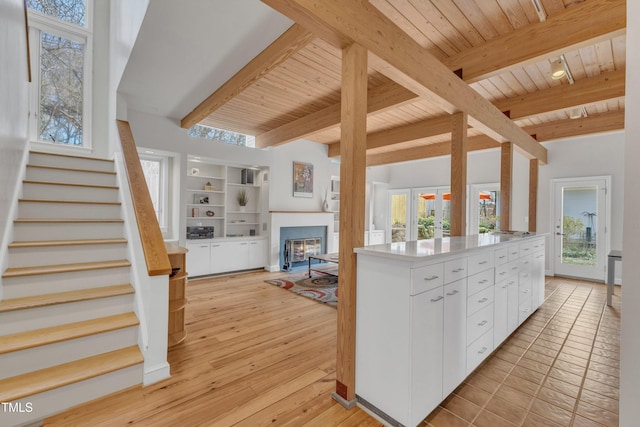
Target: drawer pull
[(431, 278), (525, 275), (501, 257), (457, 270), (526, 249), (525, 291), (484, 322), (482, 281), (514, 267), (514, 253), (437, 299), (525, 262), (505, 286), (482, 262), (204, 246), (215, 246), (485, 299), (502, 273), (511, 282), (483, 350), (452, 293)]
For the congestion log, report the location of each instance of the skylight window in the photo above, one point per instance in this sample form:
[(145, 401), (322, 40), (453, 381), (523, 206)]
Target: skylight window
[(215, 134)]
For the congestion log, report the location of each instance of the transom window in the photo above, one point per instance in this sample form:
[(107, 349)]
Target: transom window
[(215, 134), (61, 59)]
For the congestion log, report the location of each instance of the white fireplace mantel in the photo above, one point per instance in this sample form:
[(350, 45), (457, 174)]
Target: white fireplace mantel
[(281, 219)]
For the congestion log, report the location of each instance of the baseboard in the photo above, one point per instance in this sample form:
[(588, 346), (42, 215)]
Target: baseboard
[(272, 268), (156, 373)]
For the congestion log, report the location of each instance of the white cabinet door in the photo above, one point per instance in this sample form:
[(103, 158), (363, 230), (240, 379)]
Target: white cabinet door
[(501, 302), (454, 341), (198, 259), (513, 293), (257, 253), (229, 256), (427, 329), (537, 280), (376, 237)]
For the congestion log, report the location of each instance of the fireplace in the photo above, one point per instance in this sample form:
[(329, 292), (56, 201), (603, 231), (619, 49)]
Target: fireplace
[(298, 243)]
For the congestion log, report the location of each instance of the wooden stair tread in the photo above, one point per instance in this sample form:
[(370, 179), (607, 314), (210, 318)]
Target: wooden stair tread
[(71, 169), (64, 220), (64, 297), (45, 243), (78, 202), (71, 156), (31, 383), (68, 184), (64, 268), (69, 331)]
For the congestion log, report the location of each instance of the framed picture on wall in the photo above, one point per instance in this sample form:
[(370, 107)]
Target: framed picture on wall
[(302, 179)]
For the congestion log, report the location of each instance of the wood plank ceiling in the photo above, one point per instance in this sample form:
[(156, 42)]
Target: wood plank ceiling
[(504, 49)]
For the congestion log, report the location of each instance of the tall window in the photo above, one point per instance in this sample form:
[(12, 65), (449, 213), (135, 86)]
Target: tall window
[(215, 134), (155, 173), (60, 103)]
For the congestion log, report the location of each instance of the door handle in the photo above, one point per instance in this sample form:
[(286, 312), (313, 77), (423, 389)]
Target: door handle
[(559, 234)]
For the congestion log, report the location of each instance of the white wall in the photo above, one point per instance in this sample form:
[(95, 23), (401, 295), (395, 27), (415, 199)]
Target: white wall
[(629, 337), (13, 110)]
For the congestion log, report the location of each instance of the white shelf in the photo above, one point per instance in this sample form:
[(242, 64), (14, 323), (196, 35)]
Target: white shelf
[(237, 184), (206, 177), (204, 204), (205, 217), (243, 223), (192, 190), (245, 212)]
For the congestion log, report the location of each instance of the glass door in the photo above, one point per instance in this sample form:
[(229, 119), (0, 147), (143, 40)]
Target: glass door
[(579, 233), (399, 216), (431, 213), (484, 208)]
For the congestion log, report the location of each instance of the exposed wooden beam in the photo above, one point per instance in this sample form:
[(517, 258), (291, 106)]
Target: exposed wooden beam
[(290, 42), (599, 123), (585, 91), (412, 132), (533, 194), (506, 178), (379, 99), (406, 62), (458, 174), (352, 211), (583, 24)]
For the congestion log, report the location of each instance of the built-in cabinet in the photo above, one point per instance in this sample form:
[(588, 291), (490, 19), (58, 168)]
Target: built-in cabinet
[(212, 200), (448, 304)]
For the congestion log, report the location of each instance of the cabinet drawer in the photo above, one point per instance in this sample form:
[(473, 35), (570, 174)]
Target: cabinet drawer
[(425, 278), (514, 253), (500, 256), (537, 245), (455, 270), (481, 262), (525, 264), (526, 248), (479, 300), (507, 270), (479, 323), (479, 350), (523, 313), (479, 281), (524, 294)]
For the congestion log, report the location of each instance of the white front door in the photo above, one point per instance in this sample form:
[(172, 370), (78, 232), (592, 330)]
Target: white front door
[(580, 218), (399, 207)]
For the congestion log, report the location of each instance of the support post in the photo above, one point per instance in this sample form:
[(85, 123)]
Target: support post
[(458, 174), (353, 147), (533, 194), (506, 177)]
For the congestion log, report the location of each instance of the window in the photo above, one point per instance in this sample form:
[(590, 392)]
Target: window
[(215, 134), (155, 173), (60, 101)]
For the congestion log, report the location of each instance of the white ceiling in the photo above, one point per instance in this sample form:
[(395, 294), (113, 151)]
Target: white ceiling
[(186, 49)]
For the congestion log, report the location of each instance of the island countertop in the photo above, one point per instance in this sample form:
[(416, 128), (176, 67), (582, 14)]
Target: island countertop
[(432, 249)]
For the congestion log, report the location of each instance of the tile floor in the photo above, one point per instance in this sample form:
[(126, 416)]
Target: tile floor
[(560, 368)]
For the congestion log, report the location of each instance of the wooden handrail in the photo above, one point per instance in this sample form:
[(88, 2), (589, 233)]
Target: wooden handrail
[(155, 252)]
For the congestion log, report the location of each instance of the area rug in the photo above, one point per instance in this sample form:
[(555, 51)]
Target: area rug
[(323, 288)]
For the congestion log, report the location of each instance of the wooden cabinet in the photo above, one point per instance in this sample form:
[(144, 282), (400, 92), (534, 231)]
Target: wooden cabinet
[(177, 294), (444, 313)]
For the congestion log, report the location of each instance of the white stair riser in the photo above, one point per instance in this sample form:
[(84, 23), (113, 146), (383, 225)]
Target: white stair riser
[(69, 176), (17, 321), (68, 211), (28, 286), (67, 231), (69, 162), (68, 192), (57, 400), (36, 358), (50, 255)]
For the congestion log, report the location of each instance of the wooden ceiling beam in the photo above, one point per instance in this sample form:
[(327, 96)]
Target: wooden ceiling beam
[(586, 91), (583, 24), (379, 99), (406, 62), (290, 42), (558, 129)]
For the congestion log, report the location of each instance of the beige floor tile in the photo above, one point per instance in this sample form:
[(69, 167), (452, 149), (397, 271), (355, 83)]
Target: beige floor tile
[(443, 418), (580, 421), (600, 401), (597, 414), (551, 412), (506, 409), (473, 394), (603, 389), (462, 408), (556, 398), (535, 420), (489, 419)]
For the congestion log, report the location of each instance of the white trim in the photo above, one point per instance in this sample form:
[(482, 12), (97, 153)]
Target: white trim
[(156, 373)]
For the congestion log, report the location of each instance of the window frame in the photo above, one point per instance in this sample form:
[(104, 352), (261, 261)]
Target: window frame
[(163, 196), (39, 22)]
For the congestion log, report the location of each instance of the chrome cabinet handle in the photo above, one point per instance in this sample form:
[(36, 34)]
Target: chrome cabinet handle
[(452, 293), (457, 270), (514, 268), (483, 281), (483, 350), (437, 299), (431, 278), (502, 273), (501, 257), (505, 286), (482, 262), (484, 322), (485, 299)]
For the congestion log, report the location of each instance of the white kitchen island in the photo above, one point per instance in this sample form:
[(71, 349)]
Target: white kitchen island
[(430, 311)]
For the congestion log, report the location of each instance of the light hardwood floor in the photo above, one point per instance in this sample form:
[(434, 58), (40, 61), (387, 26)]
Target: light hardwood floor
[(258, 355)]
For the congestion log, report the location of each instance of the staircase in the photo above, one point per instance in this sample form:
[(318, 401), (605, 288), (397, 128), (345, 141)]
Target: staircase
[(68, 333)]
